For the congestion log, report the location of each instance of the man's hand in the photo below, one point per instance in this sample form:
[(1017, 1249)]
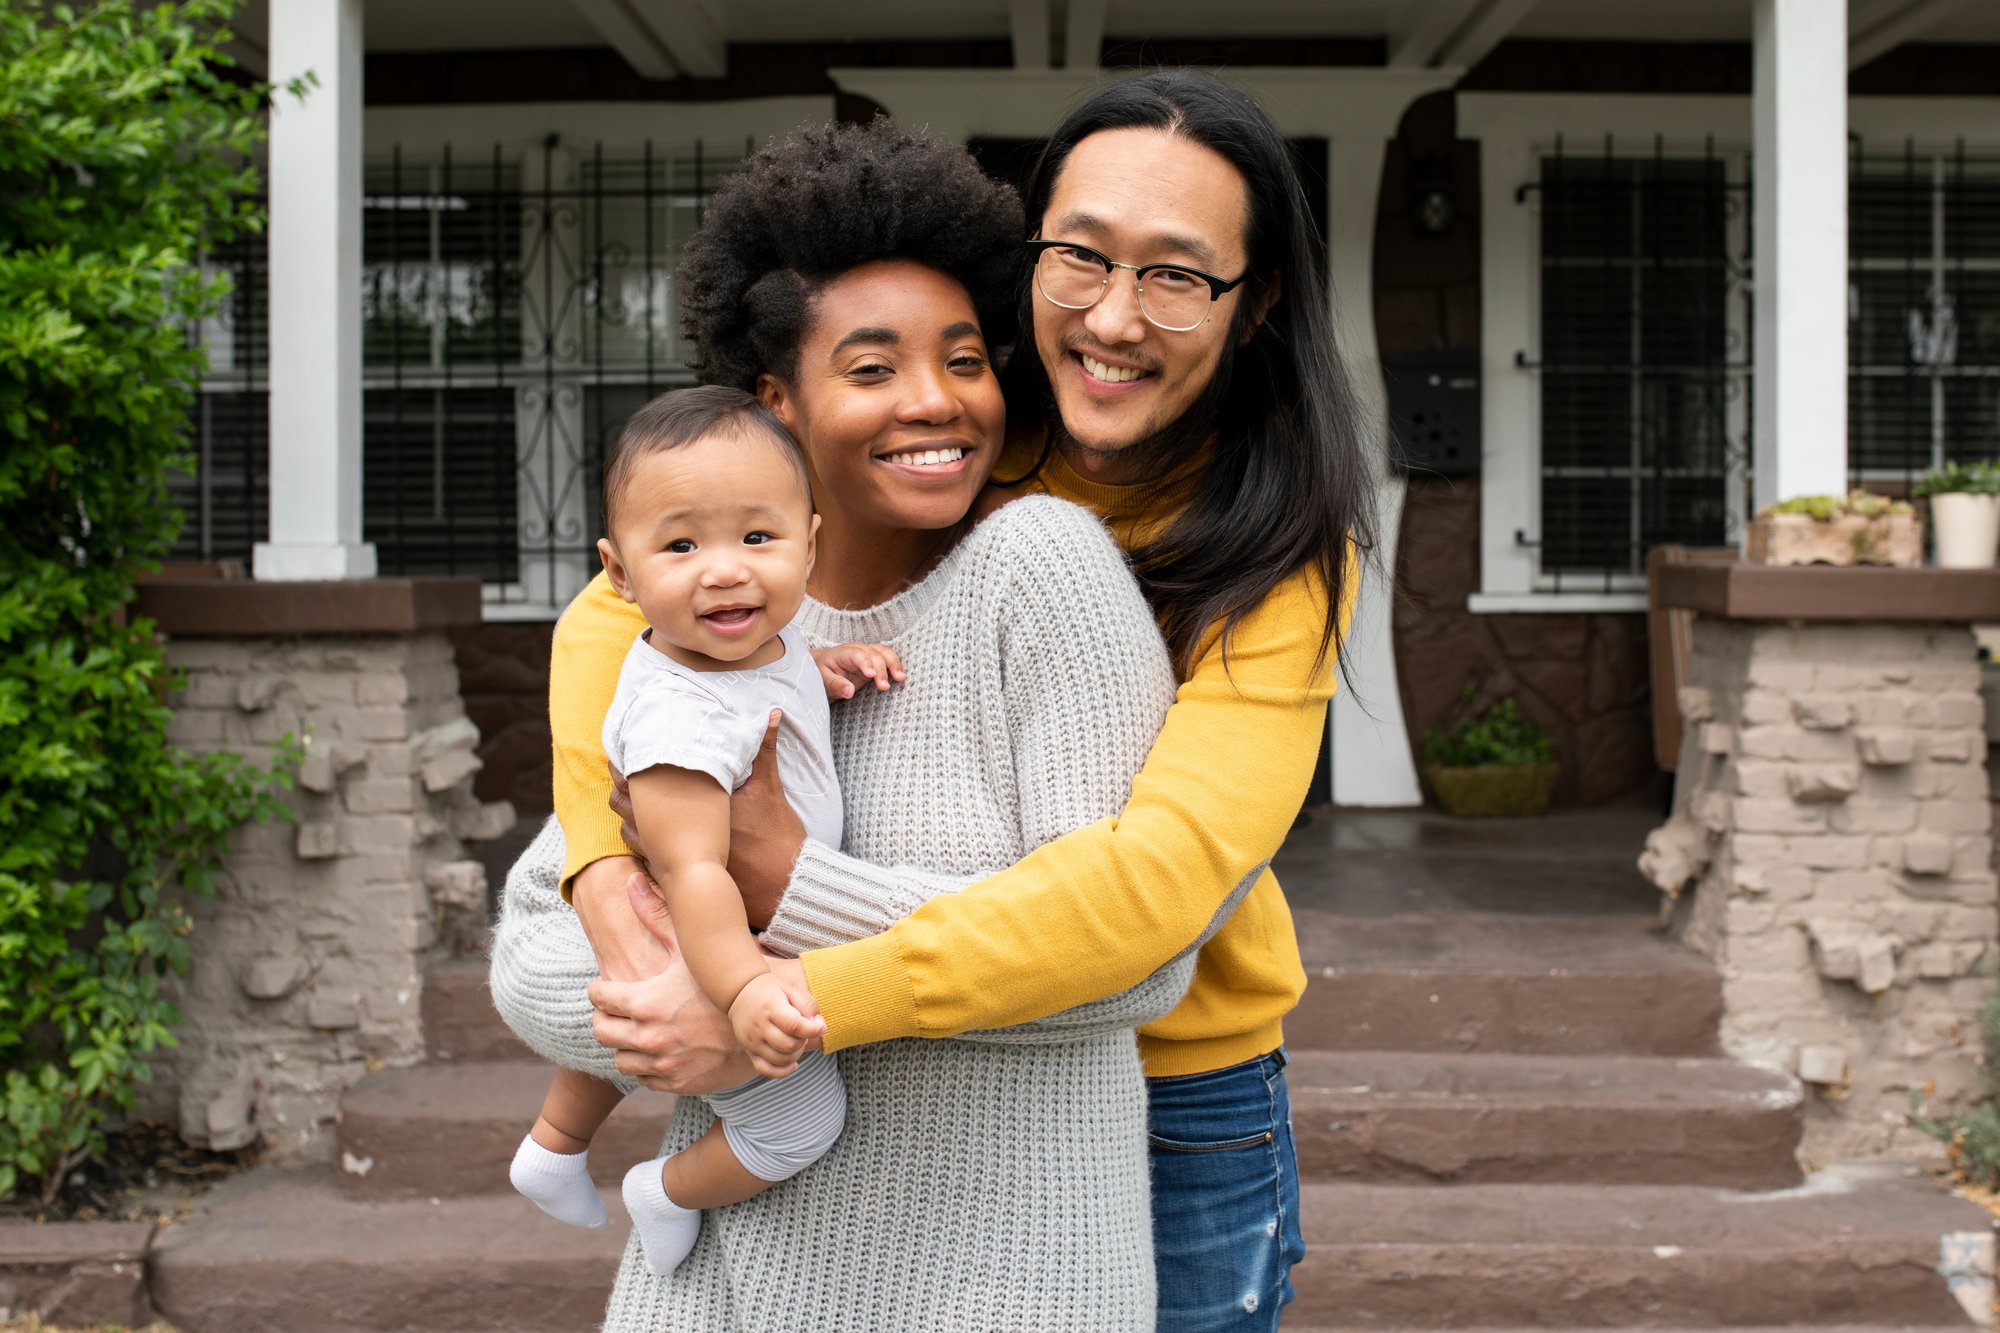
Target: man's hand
[(765, 834), (845, 665), (664, 1031), (772, 1027)]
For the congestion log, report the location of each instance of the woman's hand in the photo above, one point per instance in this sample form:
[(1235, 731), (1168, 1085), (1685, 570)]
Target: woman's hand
[(626, 950), (664, 1031), (765, 834)]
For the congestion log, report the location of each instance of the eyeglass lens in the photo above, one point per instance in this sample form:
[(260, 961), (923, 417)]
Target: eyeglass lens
[(1075, 279)]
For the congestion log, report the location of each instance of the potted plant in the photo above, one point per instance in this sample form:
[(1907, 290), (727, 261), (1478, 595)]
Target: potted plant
[(1965, 512), (1859, 528), (1494, 760)]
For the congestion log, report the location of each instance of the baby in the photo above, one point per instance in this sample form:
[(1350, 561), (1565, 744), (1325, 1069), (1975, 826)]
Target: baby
[(712, 530)]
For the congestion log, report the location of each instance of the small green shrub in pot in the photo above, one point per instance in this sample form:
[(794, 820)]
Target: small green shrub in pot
[(1965, 512), (1494, 760)]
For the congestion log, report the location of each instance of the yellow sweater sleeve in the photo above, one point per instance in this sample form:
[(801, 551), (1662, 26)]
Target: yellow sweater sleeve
[(1097, 910), (591, 640)]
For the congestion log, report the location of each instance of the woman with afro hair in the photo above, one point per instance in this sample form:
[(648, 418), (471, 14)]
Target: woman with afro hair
[(857, 280)]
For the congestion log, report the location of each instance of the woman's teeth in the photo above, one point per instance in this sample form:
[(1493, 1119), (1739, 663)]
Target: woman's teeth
[(1110, 374), (928, 457)]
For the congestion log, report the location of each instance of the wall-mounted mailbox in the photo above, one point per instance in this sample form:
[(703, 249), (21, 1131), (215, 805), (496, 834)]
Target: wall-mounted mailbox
[(1434, 411)]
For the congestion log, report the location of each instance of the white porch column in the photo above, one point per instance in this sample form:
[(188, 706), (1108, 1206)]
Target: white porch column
[(1800, 201), (1369, 740), (315, 293)]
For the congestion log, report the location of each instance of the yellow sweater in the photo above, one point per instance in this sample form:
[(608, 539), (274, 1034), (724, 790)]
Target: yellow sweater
[(1092, 912)]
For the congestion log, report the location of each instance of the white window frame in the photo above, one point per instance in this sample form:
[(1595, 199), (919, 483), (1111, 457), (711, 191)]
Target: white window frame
[(1515, 131)]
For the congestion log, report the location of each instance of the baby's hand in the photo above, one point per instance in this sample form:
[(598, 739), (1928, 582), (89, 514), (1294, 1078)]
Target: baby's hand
[(845, 665), (773, 1026)]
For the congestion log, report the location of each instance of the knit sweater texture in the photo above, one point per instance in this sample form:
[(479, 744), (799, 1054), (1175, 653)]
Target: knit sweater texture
[(997, 1180)]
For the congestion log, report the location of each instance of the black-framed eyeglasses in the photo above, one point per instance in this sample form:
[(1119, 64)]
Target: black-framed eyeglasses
[(1173, 297)]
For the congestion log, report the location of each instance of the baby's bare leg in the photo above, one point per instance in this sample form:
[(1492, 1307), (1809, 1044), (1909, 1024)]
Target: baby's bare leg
[(576, 1107), (706, 1174), (552, 1164)]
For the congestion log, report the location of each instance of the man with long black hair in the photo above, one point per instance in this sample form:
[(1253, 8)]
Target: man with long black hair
[(1183, 383)]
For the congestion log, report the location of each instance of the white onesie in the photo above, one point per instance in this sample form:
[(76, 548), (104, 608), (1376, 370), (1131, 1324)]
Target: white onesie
[(713, 722)]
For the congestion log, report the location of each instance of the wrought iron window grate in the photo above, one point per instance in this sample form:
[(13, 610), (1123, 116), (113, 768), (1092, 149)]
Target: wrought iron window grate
[(1643, 367), (515, 310), (1646, 313), (1924, 310)]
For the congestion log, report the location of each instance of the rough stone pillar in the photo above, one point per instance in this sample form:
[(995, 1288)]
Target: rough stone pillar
[(308, 963), (1832, 824)]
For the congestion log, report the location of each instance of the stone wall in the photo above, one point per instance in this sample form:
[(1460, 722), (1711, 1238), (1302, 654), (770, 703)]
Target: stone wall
[(1584, 677), (307, 964), (1831, 849)]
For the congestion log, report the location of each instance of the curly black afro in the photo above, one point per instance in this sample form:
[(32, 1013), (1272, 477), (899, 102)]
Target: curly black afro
[(825, 200)]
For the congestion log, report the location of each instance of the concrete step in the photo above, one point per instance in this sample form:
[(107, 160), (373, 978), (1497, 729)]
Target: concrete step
[(451, 1129), (279, 1250), (1857, 1241), (1517, 985), (459, 1021), (1486, 1119)]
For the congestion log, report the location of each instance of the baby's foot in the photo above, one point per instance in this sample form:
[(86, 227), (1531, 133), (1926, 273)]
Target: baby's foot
[(666, 1230), (559, 1183)]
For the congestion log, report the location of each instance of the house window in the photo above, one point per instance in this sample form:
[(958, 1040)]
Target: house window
[(515, 310), (1643, 303), (1924, 311)]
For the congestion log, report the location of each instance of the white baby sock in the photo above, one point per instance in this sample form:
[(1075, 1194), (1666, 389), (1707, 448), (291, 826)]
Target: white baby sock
[(559, 1183), (666, 1230)]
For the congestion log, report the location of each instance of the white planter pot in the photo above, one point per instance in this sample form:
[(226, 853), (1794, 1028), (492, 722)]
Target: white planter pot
[(1967, 529)]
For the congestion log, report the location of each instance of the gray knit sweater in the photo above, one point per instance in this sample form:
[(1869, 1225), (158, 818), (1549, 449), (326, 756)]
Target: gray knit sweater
[(994, 1181)]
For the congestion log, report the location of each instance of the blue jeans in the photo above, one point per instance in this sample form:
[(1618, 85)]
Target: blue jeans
[(1225, 1197)]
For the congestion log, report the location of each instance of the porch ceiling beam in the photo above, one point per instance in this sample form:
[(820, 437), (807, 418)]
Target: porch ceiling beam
[(1083, 34), (1028, 25), (690, 32), (1884, 27), (629, 36), (1418, 31), (1483, 31)]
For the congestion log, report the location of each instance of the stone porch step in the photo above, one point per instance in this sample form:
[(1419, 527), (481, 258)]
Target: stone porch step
[(1486, 1119), (289, 1250), (459, 1020), (451, 1129), (279, 1250), (1519, 985), (1852, 1241)]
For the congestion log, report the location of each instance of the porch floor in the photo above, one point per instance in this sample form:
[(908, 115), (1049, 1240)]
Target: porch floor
[(1579, 862)]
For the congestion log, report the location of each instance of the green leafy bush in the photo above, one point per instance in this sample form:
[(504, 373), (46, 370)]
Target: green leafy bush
[(123, 143), (1499, 733), (1980, 478)]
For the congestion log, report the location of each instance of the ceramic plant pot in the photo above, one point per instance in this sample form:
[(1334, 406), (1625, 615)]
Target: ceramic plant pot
[(1967, 528)]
